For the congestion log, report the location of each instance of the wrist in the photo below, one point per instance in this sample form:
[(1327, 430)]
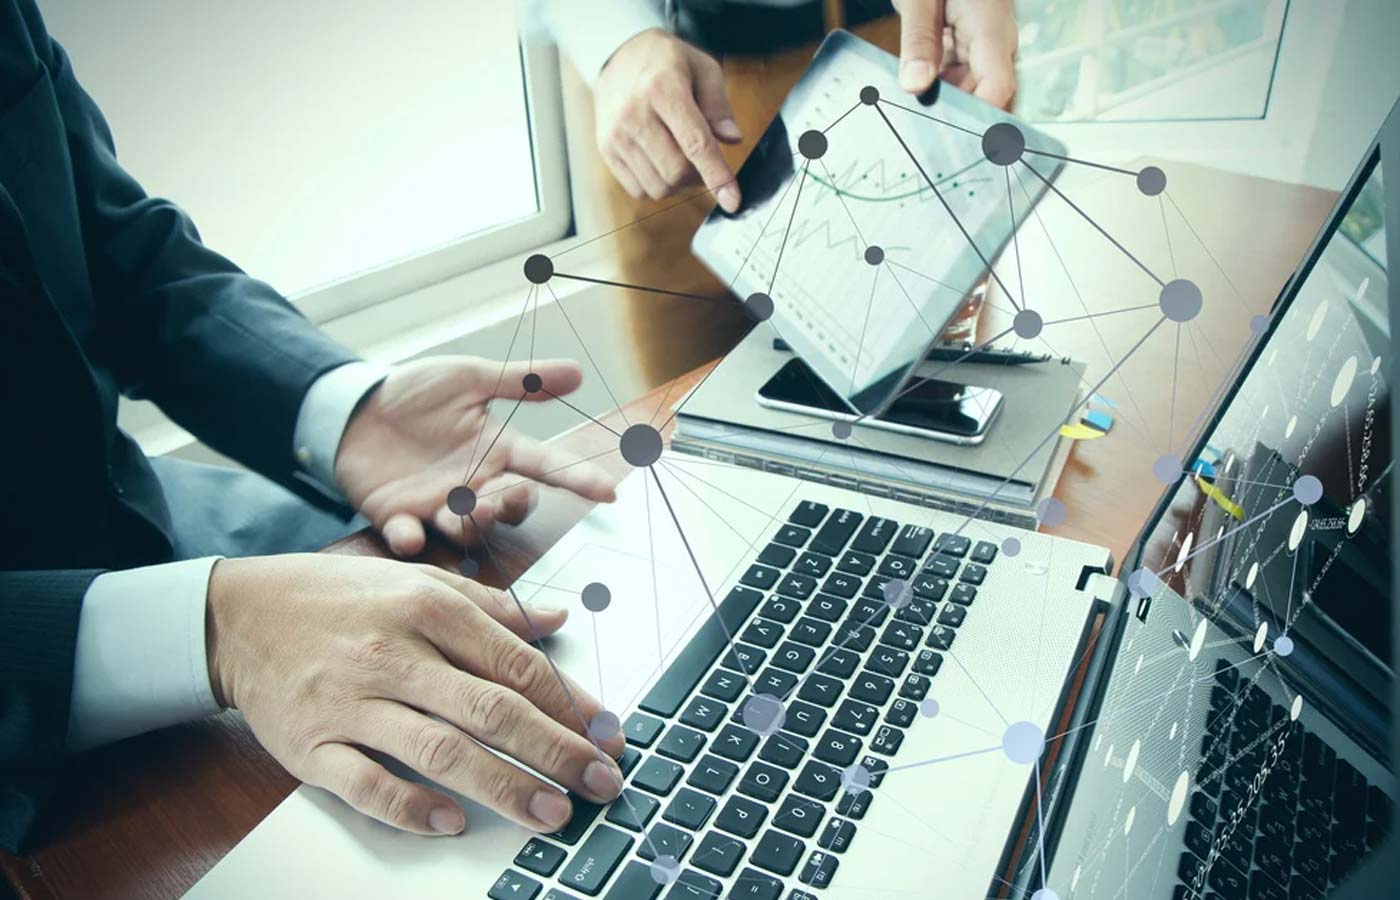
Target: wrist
[(216, 612)]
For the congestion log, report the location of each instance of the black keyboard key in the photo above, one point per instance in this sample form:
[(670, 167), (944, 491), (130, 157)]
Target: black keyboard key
[(777, 852), (818, 780), (869, 611), (887, 661), (741, 817), (665, 840), (901, 567), (722, 685), (822, 690), (635, 883), (763, 633), (952, 544), (838, 662), (712, 774), (854, 806), (917, 612), (875, 535), (641, 729), (689, 809), (913, 540), (761, 577), (837, 835), (952, 615), (963, 594), (877, 768), (928, 586), (780, 609), (939, 566), (827, 608), (681, 677), (915, 687), (794, 657), (984, 552), (973, 574), (928, 662), (795, 894), (704, 714), (804, 718), (940, 637), (809, 631), (797, 586), (837, 747), (875, 587), (763, 782), (853, 636), (774, 681), (633, 810), (735, 742), (514, 886), (745, 658), (813, 565), (799, 816), (902, 635), (595, 860), (902, 713), (630, 757), (792, 535), (808, 514), (784, 750), (819, 869), (776, 555), (556, 894), (718, 854), (657, 775), (841, 584), (754, 885), (831, 538), (691, 885), (853, 562), (887, 740), (871, 688), (584, 814), (856, 717), (681, 743), (540, 857)]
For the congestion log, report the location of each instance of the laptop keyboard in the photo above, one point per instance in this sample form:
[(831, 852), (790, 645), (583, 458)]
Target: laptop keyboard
[(1313, 819), (841, 616)]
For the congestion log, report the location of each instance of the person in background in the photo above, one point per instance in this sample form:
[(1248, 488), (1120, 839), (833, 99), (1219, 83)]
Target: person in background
[(660, 101)]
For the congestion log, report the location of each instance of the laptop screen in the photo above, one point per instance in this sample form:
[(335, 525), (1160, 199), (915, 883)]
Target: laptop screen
[(1241, 745)]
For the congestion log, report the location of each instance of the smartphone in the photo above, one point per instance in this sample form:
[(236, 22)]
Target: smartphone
[(940, 410)]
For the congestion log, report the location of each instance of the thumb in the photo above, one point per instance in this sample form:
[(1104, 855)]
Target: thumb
[(920, 43), (712, 98)]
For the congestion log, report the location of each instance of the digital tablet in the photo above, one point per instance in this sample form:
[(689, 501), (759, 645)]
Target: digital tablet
[(859, 242)]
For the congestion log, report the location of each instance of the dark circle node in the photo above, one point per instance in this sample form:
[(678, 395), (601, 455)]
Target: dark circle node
[(461, 500), (604, 726), (764, 714), (1003, 144), (898, 593), (840, 430), (532, 382), (1023, 742), (468, 567), (641, 445), (665, 869), (759, 306), (874, 255), (855, 779), (1259, 324), (1307, 490), (1152, 181), (870, 95), (1180, 300), (1051, 511), (1283, 645), (1011, 546), (539, 268), (1167, 468), (1027, 324), (596, 596), (1143, 583), (812, 144)]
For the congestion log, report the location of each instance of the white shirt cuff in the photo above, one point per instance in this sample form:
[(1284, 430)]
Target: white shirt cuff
[(140, 662), (325, 411), (591, 32)]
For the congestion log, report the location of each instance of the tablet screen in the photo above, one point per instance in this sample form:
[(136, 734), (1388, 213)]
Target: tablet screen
[(867, 237)]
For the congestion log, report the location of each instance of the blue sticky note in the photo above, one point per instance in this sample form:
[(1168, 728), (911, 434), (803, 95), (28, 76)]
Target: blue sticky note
[(1100, 420), (1203, 469)]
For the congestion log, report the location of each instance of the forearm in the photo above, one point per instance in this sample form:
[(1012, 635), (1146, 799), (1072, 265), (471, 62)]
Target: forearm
[(589, 33)]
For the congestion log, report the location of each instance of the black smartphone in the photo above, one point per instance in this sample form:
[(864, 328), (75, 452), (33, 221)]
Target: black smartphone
[(941, 410)]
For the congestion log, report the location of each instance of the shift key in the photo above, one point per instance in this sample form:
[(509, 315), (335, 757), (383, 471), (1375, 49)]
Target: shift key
[(588, 871)]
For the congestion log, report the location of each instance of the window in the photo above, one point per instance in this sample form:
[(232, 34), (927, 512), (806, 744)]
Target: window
[(344, 152), (1147, 59)]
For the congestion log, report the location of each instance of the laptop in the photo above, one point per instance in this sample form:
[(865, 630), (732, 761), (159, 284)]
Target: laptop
[(965, 709)]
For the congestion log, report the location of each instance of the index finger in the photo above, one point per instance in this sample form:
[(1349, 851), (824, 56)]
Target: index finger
[(681, 114)]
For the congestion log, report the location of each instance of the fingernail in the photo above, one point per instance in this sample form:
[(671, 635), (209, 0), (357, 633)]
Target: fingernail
[(728, 129), (546, 609), (602, 780), (915, 74), (551, 809), (447, 820), (728, 198)]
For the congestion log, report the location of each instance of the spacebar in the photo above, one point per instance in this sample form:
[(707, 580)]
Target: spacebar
[(681, 677)]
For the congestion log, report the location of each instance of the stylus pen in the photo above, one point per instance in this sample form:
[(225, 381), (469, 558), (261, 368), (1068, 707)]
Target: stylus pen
[(961, 354)]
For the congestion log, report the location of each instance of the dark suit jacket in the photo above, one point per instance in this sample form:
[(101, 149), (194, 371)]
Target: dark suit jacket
[(104, 290)]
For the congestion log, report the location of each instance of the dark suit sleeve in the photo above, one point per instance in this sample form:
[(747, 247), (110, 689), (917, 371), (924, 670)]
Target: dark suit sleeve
[(222, 353)]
